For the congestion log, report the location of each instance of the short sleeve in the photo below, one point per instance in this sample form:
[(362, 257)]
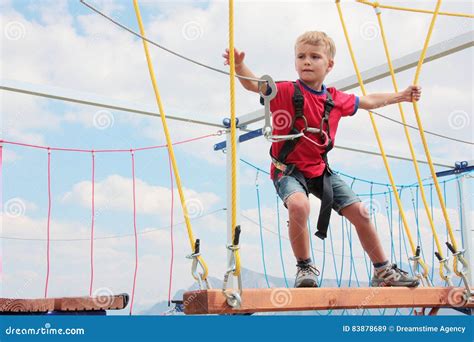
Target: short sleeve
[(283, 96), (349, 103)]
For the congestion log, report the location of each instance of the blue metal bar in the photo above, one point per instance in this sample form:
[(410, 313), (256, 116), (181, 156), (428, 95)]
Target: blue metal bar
[(459, 167), (244, 137)]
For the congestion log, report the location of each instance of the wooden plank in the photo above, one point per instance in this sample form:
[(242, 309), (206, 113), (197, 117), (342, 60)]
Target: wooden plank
[(26, 305), (283, 299), (116, 302)]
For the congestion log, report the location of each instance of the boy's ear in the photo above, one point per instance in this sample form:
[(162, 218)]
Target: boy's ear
[(330, 65)]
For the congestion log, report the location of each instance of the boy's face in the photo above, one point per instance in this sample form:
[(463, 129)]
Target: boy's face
[(312, 63)]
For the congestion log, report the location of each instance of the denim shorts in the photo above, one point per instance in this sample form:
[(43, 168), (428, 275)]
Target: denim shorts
[(343, 195)]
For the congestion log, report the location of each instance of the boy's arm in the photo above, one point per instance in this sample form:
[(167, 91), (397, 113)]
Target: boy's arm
[(242, 70), (373, 101)]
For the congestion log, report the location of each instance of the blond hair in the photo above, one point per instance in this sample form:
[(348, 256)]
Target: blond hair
[(318, 38)]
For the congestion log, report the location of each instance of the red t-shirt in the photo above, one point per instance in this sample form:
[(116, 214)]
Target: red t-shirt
[(306, 155)]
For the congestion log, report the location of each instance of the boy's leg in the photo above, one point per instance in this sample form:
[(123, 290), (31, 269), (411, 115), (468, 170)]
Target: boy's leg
[(296, 200), (298, 213), (349, 205), (358, 215)]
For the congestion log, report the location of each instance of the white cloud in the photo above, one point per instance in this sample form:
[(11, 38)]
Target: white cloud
[(116, 193)]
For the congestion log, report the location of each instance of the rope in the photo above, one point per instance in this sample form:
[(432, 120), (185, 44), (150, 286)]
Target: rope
[(171, 230), (135, 232), (310, 240), (109, 150), (141, 35), (423, 138), (415, 163), (379, 141), (334, 258), (389, 210), (112, 236), (91, 286), (427, 132), (417, 10), (279, 240), (168, 141), (358, 179), (324, 264), (261, 234), (233, 134), (48, 227), (412, 150)]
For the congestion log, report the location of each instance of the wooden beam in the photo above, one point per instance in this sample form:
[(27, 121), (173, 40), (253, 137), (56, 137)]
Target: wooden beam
[(117, 302), (282, 299)]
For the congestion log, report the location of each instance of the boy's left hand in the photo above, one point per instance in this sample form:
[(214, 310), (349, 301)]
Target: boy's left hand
[(412, 93)]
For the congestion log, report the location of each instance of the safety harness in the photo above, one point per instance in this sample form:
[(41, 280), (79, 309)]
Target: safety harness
[(321, 184)]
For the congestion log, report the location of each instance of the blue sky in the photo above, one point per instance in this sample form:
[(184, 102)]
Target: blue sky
[(65, 45)]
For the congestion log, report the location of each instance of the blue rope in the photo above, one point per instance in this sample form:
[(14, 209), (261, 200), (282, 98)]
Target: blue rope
[(352, 262), (354, 178), (445, 202), (279, 240), (333, 257), (342, 259), (311, 240), (461, 223), (261, 234), (324, 264), (419, 241), (389, 210)]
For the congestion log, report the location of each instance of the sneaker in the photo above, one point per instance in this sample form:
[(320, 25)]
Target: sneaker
[(391, 275), (306, 276)]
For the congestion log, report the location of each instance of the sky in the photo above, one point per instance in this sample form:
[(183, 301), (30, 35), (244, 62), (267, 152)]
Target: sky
[(65, 45)]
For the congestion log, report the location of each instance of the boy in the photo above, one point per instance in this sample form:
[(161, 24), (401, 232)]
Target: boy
[(300, 166)]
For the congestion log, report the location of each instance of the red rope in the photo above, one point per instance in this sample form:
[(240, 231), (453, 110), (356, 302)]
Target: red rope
[(107, 150), (171, 231), (92, 224), (135, 232), (49, 222)]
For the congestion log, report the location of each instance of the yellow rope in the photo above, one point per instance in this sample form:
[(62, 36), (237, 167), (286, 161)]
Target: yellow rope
[(382, 151), (168, 140), (423, 138), (233, 134), (376, 4), (410, 144)]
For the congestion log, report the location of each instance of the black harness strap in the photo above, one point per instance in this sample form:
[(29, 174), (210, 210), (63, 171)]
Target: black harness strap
[(290, 169)]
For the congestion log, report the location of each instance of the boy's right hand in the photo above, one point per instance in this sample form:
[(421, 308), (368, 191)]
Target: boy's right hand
[(238, 58)]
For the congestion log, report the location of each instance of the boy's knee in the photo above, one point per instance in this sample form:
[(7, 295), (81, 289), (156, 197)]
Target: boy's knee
[(298, 206)]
